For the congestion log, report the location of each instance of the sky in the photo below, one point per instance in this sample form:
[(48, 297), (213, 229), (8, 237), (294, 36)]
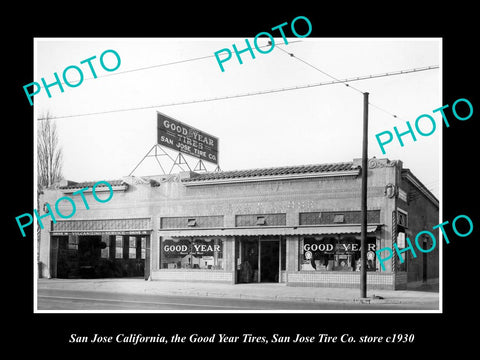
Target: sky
[(315, 125)]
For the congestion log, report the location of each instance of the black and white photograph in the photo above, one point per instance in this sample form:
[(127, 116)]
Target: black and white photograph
[(260, 184), (241, 186)]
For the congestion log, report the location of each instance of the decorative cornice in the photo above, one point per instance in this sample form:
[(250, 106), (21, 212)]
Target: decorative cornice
[(374, 163)]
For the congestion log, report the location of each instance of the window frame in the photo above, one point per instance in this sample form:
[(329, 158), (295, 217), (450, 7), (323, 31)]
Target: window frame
[(191, 258), (117, 238)]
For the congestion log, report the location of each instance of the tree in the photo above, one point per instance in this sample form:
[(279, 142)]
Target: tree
[(49, 165), (49, 154)]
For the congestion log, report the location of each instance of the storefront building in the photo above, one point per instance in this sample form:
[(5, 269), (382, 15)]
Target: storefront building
[(297, 225)]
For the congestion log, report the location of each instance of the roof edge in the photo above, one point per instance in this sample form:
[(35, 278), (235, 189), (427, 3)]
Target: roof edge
[(409, 176), (244, 179)]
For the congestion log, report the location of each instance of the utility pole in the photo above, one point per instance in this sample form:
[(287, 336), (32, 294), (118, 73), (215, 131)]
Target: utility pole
[(363, 241)]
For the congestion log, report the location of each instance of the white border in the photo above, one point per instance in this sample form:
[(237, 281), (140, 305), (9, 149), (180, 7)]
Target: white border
[(440, 310)]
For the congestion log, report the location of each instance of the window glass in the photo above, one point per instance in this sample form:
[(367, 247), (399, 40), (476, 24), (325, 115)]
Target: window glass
[(199, 253), (401, 245), (402, 218), (261, 220), (143, 245), (335, 254), (105, 252), (119, 247), (72, 243), (132, 247)]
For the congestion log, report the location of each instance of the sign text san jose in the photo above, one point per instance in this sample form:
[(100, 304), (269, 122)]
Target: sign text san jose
[(186, 139)]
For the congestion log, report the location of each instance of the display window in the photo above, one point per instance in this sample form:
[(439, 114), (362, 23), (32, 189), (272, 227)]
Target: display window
[(335, 254), (105, 252), (118, 247), (401, 266), (132, 247), (72, 243), (188, 253), (143, 245)]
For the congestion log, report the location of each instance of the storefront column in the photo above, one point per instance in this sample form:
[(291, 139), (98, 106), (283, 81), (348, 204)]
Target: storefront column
[(156, 246), (386, 242), (292, 253), (106, 239), (229, 255), (44, 251), (280, 258), (53, 256)]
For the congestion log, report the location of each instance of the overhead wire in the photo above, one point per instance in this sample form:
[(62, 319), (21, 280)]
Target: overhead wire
[(261, 92), (323, 72), (345, 82), (154, 66)]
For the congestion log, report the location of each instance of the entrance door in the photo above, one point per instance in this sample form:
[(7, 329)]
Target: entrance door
[(89, 249), (269, 260), (248, 271), (259, 260)]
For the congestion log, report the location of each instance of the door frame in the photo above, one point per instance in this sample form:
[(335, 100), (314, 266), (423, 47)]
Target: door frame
[(238, 245), (279, 244)]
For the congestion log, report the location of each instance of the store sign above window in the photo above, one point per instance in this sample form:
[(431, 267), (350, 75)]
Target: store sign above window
[(178, 136), (194, 249), (338, 247), (198, 247)]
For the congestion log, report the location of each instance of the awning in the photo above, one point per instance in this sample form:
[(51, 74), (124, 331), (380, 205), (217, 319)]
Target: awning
[(258, 231)]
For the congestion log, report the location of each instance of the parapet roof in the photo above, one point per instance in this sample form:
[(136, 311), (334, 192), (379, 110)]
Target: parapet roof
[(274, 171), (193, 177), (351, 168), (78, 185)]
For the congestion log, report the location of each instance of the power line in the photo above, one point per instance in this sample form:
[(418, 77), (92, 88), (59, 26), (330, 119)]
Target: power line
[(262, 92), (345, 81), (157, 66), (323, 72), (385, 111)]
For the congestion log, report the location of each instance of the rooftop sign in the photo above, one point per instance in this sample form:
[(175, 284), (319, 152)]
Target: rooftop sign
[(186, 139)]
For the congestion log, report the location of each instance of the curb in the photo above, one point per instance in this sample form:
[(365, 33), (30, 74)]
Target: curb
[(222, 295)]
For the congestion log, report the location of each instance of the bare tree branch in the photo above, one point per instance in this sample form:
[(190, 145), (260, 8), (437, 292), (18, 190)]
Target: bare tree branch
[(49, 153)]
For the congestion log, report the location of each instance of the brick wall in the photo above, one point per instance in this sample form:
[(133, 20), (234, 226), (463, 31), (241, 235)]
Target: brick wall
[(340, 279), (190, 275), (422, 215), (401, 280)]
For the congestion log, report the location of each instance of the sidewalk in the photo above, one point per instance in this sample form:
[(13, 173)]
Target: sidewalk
[(267, 291)]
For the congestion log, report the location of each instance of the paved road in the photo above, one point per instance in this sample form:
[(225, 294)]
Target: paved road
[(51, 299)]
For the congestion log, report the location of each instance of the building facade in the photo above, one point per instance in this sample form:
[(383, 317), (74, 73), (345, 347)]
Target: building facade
[(297, 225)]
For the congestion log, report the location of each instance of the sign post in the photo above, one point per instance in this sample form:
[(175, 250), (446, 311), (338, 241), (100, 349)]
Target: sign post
[(185, 139)]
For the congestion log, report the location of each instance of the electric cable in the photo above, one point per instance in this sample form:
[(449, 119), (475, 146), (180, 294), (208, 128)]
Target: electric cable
[(323, 72), (261, 92), (345, 81), (156, 66)]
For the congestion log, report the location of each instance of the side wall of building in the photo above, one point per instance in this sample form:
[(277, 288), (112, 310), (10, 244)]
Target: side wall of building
[(422, 215)]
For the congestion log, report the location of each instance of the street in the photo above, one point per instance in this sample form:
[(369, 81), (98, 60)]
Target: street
[(53, 299)]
